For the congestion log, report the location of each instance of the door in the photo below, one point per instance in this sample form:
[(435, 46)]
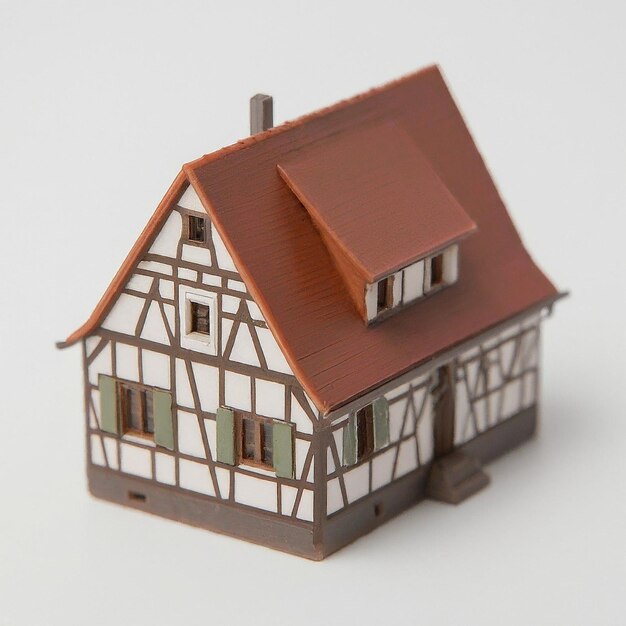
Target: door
[(443, 393)]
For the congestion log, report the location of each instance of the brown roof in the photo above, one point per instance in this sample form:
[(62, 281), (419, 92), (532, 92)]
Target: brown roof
[(376, 196), (289, 271)]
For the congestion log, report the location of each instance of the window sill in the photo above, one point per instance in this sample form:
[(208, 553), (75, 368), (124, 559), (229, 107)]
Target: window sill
[(131, 438), (200, 338), (261, 469)]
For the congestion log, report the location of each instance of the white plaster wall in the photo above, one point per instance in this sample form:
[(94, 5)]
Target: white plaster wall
[(506, 362), (410, 426), (166, 242)]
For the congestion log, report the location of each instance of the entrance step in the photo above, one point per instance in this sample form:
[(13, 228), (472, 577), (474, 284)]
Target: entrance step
[(455, 477)]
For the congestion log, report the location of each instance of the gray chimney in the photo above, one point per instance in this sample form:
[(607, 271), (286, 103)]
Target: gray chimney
[(261, 113)]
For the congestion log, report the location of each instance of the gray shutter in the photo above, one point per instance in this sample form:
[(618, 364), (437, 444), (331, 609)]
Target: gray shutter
[(163, 423), (225, 422), (282, 439), (381, 422), (108, 404), (349, 441)]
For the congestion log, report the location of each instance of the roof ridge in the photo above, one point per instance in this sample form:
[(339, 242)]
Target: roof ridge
[(299, 121)]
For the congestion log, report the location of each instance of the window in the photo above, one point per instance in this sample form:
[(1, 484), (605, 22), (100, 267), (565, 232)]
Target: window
[(384, 298), (196, 228), (256, 441), (364, 432), (436, 270), (200, 318), (136, 410), (198, 315)]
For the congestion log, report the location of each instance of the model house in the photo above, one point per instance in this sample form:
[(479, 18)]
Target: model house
[(319, 326)]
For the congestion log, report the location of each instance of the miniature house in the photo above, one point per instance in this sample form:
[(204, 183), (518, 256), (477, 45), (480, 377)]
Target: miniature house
[(320, 326)]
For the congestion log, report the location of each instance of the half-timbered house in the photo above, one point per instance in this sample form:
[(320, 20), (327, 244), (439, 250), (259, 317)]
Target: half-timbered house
[(319, 326)]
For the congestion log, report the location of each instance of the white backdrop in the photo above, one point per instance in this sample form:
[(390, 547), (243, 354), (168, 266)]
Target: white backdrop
[(101, 103)]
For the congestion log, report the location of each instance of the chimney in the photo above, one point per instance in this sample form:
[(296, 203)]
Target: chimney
[(261, 113)]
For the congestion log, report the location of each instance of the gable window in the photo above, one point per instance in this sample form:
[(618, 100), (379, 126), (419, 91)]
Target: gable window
[(256, 441), (196, 228), (384, 296), (436, 270), (136, 408), (200, 318)]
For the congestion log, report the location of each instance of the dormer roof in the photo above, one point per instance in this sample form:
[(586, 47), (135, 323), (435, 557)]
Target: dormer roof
[(376, 197)]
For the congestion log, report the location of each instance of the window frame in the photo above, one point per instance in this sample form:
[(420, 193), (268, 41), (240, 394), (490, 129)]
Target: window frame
[(188, 216), (191, 339), (195, 308), (124, 429), (388, 295), (437, 270), (260, 424), (364, 427)]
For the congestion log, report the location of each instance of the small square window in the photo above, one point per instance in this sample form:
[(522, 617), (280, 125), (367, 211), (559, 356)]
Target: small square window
[(436, 270), (196, 228), (200, 318)]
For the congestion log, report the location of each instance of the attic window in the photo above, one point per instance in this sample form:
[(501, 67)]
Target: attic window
[(196, 228), (384, 298), (436, 270), (198, 321), (200, 318)]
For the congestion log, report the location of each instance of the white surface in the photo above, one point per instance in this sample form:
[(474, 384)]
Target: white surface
[(94, 130)]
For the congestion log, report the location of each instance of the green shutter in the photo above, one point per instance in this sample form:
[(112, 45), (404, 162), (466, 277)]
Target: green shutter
[(282, 437), (349, 441), (108, 404), (225, 419), (381, 422), (163, 423)]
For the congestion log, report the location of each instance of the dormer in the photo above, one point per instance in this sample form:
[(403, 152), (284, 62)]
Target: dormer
[(387, 219)]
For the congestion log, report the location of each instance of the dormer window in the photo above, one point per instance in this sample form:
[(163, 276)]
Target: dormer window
[(384, 295), (436, 270)]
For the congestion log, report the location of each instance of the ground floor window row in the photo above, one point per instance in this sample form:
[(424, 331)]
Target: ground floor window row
[(242, 438)]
